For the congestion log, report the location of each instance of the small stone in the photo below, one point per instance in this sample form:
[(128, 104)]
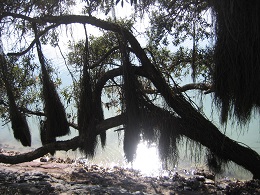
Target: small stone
[(209, 181), (186, 188), (193, 183), (95, 167), (81, 170), (43, 159), (200, 178)]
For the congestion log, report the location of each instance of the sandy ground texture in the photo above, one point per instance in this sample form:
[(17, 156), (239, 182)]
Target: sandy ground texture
[(65, 176)]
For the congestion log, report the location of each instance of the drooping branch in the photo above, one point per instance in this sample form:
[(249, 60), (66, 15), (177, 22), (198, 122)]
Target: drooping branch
[(86, 108), (213, 140), (189, 114), (130, 103), (73, 144), (56, 122), (237, 58), (48, 148)]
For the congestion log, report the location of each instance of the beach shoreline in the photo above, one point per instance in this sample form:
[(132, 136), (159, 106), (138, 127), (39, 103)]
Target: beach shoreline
[(49, 175)]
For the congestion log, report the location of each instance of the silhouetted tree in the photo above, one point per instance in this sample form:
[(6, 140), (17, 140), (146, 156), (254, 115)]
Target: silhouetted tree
[(138, 82)]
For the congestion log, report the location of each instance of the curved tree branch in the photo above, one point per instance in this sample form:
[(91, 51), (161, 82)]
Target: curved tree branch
[(34, 41), (26, 157), (73, 144), (214, 140)]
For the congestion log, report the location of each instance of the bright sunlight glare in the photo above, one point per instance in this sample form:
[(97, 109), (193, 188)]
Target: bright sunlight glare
[(147, 159)]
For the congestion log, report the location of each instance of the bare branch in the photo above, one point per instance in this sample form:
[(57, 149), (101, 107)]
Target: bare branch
[(73, 144), (27, 111), (110, 123), (97, 63), (29, 156), (34, 41), (191, 86), (71, 74)]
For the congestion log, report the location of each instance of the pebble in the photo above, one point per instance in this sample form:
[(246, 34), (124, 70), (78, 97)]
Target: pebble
[(83, 179), (119, 181)]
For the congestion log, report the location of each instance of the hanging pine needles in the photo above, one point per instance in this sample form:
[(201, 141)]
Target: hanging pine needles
[(56, 122), (237, 57), (100, 117), (86, 109), (163, 130), (45, 138), (215, 163), (131, 104), (19, 124), (168, 141)]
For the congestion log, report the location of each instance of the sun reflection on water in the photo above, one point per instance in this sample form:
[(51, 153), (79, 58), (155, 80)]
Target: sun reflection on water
[(147, 159)]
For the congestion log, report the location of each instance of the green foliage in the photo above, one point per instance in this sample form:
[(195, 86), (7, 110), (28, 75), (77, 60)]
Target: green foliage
[(178, 19), (175, 66), (23, 81), (35, 7), (98, 46)]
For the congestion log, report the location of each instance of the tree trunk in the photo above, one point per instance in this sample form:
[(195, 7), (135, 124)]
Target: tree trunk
[(201, 130), (208, 135), (225, 147)]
